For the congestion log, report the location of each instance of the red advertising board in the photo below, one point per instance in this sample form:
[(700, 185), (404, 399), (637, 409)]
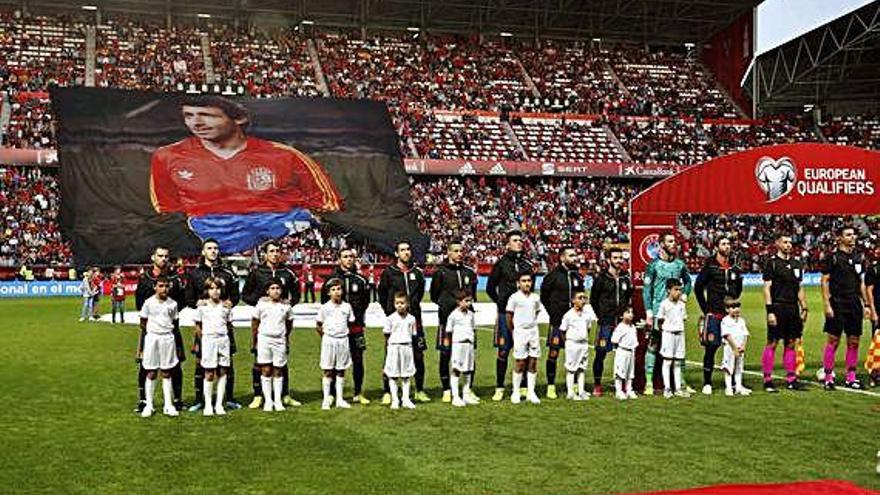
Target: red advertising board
[(542, 168)]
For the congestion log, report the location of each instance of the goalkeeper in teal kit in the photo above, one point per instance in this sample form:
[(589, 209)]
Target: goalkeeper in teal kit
[(665, 267)]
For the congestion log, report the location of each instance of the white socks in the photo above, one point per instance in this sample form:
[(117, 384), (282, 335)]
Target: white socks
[(569, 383), (618, 386), (739, 380), (516, 383), (581, 387), (667, 371), (531, 378), (277, 385), (166, 393), (340, 386), (676, 372), (149, 390), (467, 384), (325, 383), (405, 396), (392, 384), (454, 380), (728, 381), (221, 391), (208, 387), (266, 383)]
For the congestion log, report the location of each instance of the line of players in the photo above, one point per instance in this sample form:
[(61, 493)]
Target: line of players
[(846, 296)]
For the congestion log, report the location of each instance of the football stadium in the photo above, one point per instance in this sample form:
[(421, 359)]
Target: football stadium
[(427, 246)]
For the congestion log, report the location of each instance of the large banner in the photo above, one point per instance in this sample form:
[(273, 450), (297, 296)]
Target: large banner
[(177, 169)]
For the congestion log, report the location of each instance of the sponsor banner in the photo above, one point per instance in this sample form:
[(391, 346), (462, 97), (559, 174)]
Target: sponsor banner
[(540, 168), (805, 178), (39, 289)]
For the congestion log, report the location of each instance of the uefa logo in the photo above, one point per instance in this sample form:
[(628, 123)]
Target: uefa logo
[(649, 249), (776, 177)]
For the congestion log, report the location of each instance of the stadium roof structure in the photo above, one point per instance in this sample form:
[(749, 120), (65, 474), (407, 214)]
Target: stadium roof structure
[(651, 21), (836, 66)]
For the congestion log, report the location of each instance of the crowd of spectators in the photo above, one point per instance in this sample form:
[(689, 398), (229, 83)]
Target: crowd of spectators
[(854, 130), (29, 203), (813, 236), (587, 214)]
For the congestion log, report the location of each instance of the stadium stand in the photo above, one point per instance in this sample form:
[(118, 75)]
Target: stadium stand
[(450, 97)]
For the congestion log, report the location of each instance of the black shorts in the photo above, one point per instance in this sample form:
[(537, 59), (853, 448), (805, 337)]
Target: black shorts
[(847, 319), (789, 325)]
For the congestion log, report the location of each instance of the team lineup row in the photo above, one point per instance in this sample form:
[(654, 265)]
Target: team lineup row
[(272, 288)]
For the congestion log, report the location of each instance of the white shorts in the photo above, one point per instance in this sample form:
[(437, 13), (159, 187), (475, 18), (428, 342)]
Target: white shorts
[(526, 344), (576, 355), (624, 364), (159, 352), (215, 351), (335, 353), (399, 362), (272, 350), (672, 345), (730, 362), (462, 356)]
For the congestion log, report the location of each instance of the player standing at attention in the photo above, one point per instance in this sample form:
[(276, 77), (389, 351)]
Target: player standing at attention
[(146, 288), (610, 295), (626, 339), (158, 351), (460, 325), (523, 307), (717, 279), (735, 335), (400, 329), (333, 320), (404, 276), (355, 293), (213, 321), (846, 303), (557, 291), (666, 266), (448, 279), (271, 325), (273, 268), (503, 281), (575, 328), (786, 305), (670, 320), (211, 267)]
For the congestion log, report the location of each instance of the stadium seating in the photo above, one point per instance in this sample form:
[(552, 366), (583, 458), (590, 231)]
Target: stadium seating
[(571, 141), (854, 130), (449, 97)]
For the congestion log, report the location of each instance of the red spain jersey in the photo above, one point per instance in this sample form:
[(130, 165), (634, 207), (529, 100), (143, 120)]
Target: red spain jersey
[(263, 177)]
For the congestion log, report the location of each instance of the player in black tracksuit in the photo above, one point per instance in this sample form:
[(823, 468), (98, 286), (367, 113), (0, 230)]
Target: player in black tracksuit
[(254, 289), (610, 296), (211, 266), (146, 287), (500, 286), (356, 293), (718, 279), (404, 276), (447, 279), (557, 289)]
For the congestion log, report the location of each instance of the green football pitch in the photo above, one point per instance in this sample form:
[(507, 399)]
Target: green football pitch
[(67, 426)]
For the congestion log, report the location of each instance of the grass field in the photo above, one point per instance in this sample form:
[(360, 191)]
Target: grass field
[(68, 390)]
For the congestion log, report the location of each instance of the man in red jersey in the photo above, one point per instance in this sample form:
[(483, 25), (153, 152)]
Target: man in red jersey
[(238, 189)]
